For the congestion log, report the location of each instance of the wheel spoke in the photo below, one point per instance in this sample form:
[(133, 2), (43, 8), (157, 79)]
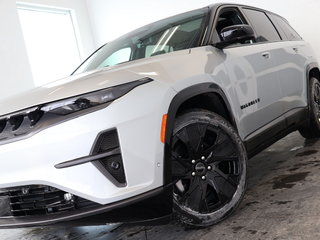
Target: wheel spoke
[(211, 149), (223, 146), (225, 159), (183, 136), (214, 145), (195, 196), (192, 187), (221, 138), (206, 205), (224, 187), (226, 177), (218, 159), (183, 162), (179, 175), (193, 137), (202, 129)]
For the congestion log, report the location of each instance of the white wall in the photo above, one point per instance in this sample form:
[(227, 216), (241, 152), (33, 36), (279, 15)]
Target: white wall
[(15, 73), (110, 19), (82, 21)]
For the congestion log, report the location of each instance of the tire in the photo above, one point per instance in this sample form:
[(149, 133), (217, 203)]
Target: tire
[(209, 168), (312, 129)]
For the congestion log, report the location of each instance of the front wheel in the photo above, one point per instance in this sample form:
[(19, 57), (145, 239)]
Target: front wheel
[(209, 166)]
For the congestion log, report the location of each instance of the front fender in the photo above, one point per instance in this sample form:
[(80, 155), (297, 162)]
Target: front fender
[(176, 102)]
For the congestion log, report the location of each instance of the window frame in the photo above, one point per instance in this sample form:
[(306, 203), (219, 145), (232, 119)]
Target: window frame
[(214, 21), (242, 17), (267, 16)]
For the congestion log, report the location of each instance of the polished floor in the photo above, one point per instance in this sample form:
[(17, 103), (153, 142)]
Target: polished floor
[(282, 202)]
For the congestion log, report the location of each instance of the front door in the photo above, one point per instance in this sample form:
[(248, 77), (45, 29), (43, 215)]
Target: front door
[(255, 86)]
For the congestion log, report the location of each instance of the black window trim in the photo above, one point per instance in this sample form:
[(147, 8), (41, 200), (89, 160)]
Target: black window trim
[(214, 18), (216, 15)]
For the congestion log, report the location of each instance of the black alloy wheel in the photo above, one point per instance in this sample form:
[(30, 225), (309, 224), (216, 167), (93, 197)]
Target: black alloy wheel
[(209, 168)]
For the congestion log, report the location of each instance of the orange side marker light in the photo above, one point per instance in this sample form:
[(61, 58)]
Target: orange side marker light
[(163, 128)]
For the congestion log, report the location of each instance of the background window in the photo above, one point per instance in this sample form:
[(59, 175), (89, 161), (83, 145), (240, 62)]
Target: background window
[(262, 25), (285, 28), (51, 42), (121, 56)]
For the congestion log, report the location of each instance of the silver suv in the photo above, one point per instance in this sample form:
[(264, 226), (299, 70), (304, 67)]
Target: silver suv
[(160, 120)]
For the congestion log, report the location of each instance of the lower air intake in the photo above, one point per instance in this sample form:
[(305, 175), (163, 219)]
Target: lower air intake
[(112, 166), (39, 200)]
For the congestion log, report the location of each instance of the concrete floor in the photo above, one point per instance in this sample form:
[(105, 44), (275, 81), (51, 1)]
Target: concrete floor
[(282, 202)]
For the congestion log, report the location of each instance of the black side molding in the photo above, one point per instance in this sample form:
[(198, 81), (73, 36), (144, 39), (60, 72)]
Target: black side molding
[(275, 130), (87, 159)]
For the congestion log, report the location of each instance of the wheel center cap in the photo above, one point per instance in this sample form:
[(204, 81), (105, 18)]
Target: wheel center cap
[(200, 167)]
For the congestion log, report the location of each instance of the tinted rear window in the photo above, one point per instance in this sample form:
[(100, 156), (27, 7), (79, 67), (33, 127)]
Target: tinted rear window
[(286, 30)]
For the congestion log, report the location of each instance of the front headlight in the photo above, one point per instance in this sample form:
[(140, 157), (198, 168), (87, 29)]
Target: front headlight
[(93, 99), (25, 123)]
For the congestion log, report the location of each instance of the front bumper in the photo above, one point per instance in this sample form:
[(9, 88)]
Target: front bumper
[(32, 161), (150, 206)]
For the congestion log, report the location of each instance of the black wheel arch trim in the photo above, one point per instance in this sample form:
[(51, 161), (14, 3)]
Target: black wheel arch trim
[(176, 102)]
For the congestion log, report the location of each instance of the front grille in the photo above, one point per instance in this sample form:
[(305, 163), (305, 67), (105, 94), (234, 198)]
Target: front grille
[(39, 200)]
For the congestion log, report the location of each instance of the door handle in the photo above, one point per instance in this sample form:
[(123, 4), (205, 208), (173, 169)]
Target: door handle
[(266, 55)]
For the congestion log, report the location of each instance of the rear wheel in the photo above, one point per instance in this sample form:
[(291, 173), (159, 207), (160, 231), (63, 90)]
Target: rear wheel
[(209, 168), (312, 130)]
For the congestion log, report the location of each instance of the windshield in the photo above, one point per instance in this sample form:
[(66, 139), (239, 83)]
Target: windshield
[(173, 34)]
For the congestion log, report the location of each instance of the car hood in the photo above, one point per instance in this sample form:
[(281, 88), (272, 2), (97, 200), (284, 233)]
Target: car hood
[(90, 81), (65, 88)]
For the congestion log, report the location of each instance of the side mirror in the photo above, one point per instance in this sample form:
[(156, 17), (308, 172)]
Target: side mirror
[(235, 34)]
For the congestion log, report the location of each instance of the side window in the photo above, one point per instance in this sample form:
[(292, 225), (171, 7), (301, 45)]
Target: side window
[(289, 33), (228, 17), (262, 25)]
